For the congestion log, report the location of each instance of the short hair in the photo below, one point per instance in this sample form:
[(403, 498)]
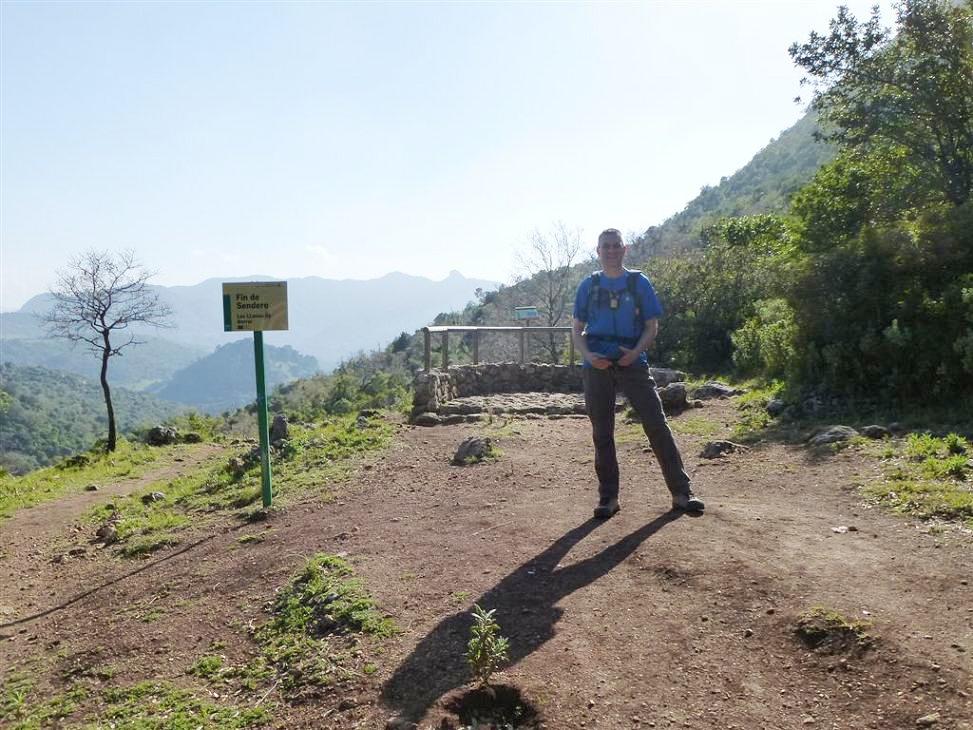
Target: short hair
[(611, 233)]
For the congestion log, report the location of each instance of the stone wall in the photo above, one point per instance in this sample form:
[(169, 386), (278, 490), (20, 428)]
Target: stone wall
[(435, 388)]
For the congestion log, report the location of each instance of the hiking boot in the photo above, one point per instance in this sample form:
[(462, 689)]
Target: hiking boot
[(607, 506), (687, 502)]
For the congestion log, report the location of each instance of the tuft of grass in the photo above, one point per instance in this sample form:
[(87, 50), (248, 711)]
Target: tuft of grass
[(752, 410), (43, 485), (313, 458), (317, 623), (326, 598), (252, 539), (927, 477), (14, 692), (922, 446), (152, 705), (207, 667), (696, 426), (828, 632)]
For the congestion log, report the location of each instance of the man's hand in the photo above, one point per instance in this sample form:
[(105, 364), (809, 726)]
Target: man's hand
[(598, 361), (628, 356)]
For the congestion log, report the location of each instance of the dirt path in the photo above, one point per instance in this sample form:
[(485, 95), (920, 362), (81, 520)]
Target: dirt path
[(32, 538), (647, 620)]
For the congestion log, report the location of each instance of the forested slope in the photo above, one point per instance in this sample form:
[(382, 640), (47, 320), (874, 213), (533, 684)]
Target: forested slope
[(45, 415)]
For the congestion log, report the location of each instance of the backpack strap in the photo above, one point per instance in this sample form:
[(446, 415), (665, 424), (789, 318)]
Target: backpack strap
[(631, 283), (594, 291)]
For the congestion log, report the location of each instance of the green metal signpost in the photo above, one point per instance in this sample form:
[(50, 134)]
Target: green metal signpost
[(257, 306)]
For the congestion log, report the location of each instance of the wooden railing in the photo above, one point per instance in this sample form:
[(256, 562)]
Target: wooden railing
[(444, 330)]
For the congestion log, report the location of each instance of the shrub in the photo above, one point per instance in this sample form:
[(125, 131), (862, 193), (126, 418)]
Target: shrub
[(486, 649)]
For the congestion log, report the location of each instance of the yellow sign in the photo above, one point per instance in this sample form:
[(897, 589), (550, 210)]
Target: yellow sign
[(255, 306)]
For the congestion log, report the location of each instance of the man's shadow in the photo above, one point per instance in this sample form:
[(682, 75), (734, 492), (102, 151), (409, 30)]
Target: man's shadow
[(525, 608)]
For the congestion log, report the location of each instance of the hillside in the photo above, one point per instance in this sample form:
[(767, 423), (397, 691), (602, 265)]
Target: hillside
[(763, 185), (137, 368), (226, 379), (47, 415)]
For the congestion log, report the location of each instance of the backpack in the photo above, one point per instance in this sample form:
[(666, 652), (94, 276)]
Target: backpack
[(631, 283)]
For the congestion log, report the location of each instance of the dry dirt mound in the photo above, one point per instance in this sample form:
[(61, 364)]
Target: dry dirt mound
[(651, 619)]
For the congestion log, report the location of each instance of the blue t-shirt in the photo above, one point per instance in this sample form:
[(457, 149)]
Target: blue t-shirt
[(611, 321)]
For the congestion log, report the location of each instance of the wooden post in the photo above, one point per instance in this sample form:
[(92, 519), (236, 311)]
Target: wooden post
[(523, 345), (476, 347), (445, 349), (427, 344), (571, 348)]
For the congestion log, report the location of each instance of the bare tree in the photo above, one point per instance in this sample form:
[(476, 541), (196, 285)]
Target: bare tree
[(547, 267), (98, 297)]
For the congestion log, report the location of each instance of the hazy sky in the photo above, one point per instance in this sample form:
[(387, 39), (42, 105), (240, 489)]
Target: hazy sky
[(349, 140)]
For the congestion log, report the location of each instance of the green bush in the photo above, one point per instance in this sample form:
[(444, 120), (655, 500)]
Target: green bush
[(765, 343)]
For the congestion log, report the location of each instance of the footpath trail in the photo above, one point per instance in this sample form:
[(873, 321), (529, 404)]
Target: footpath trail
[(30, 538), (648, 620)]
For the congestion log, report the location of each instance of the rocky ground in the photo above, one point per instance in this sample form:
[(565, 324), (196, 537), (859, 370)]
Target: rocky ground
[(649, 620)]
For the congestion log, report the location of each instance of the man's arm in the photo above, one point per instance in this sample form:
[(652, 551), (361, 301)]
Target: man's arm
[(649, 332), (581, 344)]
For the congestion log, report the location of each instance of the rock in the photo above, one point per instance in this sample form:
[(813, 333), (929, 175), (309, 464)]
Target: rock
[(898, 429), (153, 497), (278, 429), (775, 407), (673, 397), (473, 450), (666, 376), (76, 551), (192, 438), (91, 488), (426, 419), (715, 449), (107, 533), (76, 461), (832, 435), (928, 720), (161, 436), (876, 432), (716, 389), (236, 466)]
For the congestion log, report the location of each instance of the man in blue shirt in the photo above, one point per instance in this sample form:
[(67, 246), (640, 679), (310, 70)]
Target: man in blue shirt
[(616, 319)]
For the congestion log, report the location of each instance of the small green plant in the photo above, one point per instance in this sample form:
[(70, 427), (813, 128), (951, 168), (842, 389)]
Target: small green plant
[(317, 621), (207, 667), (752, 410), (486, 649), (252, 539), (158, 705), (921, 446), (956, 444), (927, 479)]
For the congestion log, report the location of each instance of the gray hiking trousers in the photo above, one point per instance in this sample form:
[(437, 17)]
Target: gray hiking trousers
[(600, 387)]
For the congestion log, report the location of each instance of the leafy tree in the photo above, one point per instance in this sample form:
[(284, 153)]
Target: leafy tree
[(912, 90), (98, 298)]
